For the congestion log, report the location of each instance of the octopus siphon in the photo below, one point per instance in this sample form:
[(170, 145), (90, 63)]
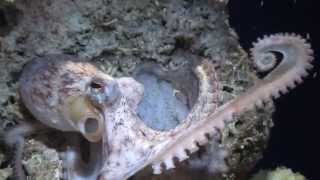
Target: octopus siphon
[(69, 94)]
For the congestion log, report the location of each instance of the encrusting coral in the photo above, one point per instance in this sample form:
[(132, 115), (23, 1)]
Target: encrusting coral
[(280, 173)]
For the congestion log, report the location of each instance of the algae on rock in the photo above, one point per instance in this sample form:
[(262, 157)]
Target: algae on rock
[(281, 173)]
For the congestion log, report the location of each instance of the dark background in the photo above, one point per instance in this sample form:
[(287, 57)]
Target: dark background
[(295, 137)]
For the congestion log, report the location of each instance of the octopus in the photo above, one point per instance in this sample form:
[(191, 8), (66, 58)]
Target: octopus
[(69, 94)]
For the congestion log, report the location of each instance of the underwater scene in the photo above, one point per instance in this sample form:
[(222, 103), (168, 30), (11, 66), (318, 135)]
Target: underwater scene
[(159, 90)]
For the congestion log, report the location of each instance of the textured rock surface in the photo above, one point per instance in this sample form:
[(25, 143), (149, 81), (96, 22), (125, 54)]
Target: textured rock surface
[(5, 172), (41, 162), (117, 35)]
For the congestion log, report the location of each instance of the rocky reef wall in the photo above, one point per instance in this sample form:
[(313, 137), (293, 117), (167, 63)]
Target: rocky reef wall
[(116, 35)]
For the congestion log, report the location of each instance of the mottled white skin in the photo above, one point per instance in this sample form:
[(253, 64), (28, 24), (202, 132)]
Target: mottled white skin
[(141, 146), (128, 145)]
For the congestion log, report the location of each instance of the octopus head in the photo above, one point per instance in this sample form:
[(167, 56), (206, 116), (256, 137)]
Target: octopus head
[(85, 110), (68, 94)]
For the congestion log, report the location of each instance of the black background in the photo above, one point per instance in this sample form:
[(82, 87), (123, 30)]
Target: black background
[(295, 137)]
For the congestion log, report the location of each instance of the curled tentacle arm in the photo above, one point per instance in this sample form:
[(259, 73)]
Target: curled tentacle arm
[(297, 56), (296, 60)]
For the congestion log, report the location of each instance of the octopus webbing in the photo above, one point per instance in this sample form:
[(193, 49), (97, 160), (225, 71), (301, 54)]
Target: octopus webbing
[(69, 94)]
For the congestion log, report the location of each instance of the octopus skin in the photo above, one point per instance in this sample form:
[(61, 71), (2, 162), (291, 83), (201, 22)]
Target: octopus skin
[(69, 95)]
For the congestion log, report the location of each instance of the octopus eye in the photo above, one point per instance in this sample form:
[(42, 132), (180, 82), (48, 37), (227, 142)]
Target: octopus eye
[(95, 85), (103, 91)]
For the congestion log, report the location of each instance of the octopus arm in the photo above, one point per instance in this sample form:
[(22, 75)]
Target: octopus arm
[(75, 167), (296, 60)]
